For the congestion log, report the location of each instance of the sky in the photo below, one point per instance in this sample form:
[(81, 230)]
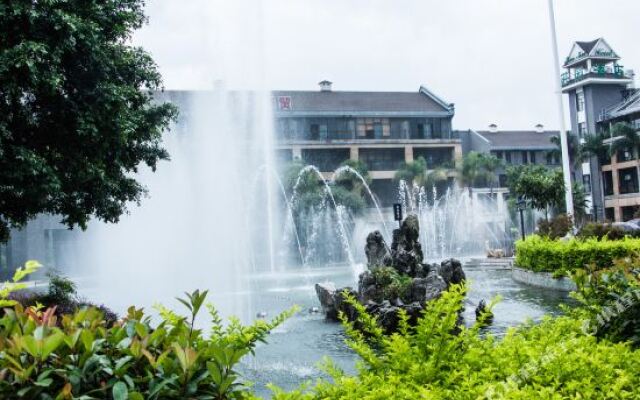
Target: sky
[(492, 58)]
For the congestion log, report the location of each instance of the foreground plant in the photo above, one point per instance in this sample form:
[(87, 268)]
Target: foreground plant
[(79, 357), (436, 359), (610, 300)]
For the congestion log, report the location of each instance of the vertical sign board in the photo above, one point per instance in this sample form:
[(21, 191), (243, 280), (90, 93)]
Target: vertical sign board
[(397, 213)]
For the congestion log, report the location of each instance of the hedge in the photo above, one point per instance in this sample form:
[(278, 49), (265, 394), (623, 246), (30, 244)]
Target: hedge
[(541, 254)]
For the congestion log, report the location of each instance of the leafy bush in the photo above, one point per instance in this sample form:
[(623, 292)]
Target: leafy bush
[(556, 228), (80, 357), (554, 359), (62, 295), (600, 230), (610, 299), (543, 254), (392, 284)]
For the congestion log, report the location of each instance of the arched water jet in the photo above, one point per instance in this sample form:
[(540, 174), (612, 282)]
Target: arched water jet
[(351, 170), (342, 232)]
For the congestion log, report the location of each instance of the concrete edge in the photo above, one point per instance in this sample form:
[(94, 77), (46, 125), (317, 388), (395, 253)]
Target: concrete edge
[(542, 280)]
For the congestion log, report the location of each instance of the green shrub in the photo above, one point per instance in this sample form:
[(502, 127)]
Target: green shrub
[(553, 359), (610, 300), (391, 283), (555, 228), (600, 230), (80, 357), (560, 256)]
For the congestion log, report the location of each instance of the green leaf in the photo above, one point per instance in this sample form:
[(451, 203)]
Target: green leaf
[(120, 391)]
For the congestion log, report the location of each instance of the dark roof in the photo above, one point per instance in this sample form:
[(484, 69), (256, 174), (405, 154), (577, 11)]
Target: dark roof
[(346, 102), (532, 140), (587, 46), (630, 105)]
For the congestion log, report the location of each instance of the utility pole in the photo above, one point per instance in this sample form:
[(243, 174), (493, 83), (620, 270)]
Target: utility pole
[(566, 172)]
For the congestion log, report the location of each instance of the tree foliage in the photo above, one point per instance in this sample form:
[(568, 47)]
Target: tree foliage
[(479, 169), (77, 116), (541, 187), (413, 172)]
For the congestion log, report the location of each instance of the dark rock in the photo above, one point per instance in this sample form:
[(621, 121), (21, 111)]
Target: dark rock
[(341, 305), (406, 257), (406, 251), (429, 288), (326, 294), (376, 250), (483, 315), (451, 271)]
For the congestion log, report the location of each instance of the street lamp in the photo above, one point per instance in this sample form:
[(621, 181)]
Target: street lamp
[(522, 204)]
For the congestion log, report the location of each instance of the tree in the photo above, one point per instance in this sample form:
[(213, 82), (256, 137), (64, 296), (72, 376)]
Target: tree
[(625, 137), (479, 169), (543, 188), (576, 155), (413, 172), (77, 117)]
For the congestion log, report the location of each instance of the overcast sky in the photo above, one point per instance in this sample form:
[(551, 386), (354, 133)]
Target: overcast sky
[(492, 58)]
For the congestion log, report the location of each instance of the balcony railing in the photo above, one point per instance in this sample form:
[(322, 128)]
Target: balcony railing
[(600, 71)]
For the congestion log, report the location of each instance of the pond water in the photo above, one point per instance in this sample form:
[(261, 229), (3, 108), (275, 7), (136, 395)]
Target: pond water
[(295, 349)]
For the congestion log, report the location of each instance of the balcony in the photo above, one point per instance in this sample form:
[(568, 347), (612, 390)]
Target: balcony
[(597, 72)]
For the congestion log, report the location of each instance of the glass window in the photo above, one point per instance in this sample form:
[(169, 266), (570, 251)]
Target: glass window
[(625, 154), (628, 180), (532, 157), (607, 183), (582, 129), (405, 129), (580, 101), (525, 159), (507, 156), (314, 131), (586, 183)]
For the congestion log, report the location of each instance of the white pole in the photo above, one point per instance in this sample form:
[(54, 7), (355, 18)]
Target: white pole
[(566, 171)]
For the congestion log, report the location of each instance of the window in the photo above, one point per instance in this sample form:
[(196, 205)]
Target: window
[(314, 131), (625, 154), (607, 183), (324, 132), (553, 158), (580, 101), (507, 157), (499, 155), (532, 157), (628, 212), (421, 131), (586, 183), (525, 159), (582, 129), (502, 180), (628, 180), (609, 214), (405, 129)]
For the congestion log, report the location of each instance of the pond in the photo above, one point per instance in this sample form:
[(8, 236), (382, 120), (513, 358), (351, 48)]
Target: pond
[(295, 349)]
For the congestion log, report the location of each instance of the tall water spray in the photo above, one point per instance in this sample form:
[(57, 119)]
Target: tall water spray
[(200, 227)]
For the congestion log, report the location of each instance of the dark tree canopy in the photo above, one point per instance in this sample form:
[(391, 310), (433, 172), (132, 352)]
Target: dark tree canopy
[(77, 115)]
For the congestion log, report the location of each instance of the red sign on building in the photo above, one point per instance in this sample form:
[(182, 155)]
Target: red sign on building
[(284, 103)]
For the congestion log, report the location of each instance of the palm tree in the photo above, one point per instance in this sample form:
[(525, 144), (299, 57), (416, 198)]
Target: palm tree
[(624, 136), (490, 165), (576, 155), (413, 172), (479, 167), (470, 169)]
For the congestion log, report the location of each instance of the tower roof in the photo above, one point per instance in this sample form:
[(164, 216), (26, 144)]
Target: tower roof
[(587, 46)]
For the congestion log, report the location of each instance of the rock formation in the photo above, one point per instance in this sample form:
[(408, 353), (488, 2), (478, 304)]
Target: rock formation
[(396, 278)]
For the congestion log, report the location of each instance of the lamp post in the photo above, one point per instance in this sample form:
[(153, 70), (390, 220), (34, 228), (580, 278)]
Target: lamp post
[(521, 206)]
